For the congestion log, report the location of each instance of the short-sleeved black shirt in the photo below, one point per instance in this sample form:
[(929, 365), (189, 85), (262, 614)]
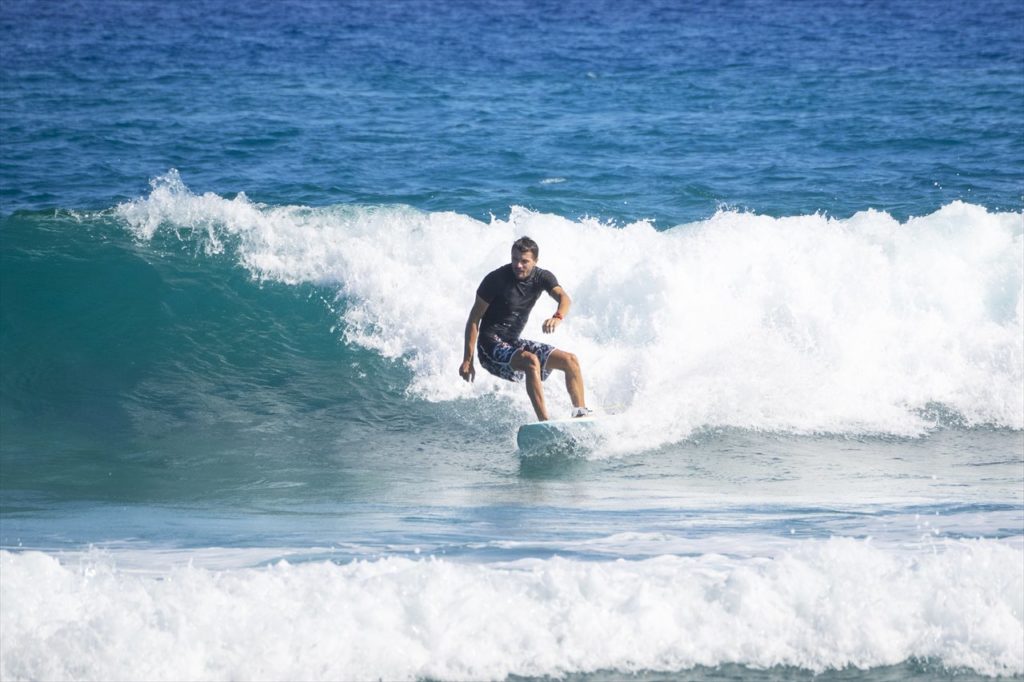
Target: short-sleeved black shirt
[(511, 300)]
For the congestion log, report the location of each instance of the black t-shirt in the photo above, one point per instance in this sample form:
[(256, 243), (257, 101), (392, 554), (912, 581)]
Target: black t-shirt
[(511, 300)]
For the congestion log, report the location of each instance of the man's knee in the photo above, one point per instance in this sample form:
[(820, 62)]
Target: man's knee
[(529, 361), (572, 363)]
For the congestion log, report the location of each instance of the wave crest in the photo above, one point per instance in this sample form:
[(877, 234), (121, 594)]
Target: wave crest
[(800, 324)]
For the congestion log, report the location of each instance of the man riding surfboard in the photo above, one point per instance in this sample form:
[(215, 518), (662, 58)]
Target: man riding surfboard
[(504, 300)]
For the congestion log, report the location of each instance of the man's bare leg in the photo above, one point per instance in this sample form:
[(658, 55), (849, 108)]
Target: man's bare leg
[(529, 363), (568, 363)]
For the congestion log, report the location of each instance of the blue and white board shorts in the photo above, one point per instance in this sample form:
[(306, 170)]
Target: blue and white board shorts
[(496, 356)]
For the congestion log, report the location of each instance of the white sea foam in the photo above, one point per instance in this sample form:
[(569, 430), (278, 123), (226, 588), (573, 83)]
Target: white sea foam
[(801, 324), (821, 605)]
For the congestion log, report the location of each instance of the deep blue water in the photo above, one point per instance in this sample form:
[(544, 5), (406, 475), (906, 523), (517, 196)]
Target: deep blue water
[(238, 242), (658, 110)]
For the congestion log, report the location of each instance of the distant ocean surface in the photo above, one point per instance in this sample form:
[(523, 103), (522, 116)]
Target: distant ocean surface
[(239, 243)]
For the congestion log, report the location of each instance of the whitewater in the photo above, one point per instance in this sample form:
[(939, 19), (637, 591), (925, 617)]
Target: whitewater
[(826, 605)]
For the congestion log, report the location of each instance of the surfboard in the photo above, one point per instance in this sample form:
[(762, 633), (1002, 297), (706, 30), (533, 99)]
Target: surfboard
[(555, 434)]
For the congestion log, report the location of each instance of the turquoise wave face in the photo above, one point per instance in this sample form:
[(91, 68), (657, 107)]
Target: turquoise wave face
[(143, 371)]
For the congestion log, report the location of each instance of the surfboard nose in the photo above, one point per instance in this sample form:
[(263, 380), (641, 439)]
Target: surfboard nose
[(554, 434)]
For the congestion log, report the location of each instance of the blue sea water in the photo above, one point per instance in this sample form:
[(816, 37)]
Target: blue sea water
[(239, 241)]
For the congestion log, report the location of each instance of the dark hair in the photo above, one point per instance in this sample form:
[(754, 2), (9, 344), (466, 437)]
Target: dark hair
[(524, 244)]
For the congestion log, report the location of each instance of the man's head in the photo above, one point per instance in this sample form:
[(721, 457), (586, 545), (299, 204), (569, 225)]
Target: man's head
[(524, 257)]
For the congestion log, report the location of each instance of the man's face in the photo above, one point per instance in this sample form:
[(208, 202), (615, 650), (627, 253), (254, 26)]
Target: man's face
[(522, 263)]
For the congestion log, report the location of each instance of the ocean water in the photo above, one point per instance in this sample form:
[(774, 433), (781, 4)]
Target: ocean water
[(239, 241)]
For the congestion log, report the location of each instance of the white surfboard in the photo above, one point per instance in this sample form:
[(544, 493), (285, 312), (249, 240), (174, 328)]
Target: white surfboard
[(555, 434)]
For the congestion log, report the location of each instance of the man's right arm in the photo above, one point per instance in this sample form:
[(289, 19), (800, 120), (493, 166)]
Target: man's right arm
[(467, 371)]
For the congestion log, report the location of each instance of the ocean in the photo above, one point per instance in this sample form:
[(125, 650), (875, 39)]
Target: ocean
[(239, 243)]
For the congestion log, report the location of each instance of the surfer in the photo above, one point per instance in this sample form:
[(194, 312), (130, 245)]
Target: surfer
[(504, 300)]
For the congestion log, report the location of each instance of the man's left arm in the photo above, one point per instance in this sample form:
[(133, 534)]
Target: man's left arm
[(564, 302)]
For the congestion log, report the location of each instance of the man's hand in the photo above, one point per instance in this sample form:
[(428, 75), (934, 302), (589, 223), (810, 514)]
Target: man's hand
[(467, 371), (551, 324)]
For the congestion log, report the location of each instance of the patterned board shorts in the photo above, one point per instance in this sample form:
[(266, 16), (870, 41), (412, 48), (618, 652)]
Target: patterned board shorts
[(496, 356)]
